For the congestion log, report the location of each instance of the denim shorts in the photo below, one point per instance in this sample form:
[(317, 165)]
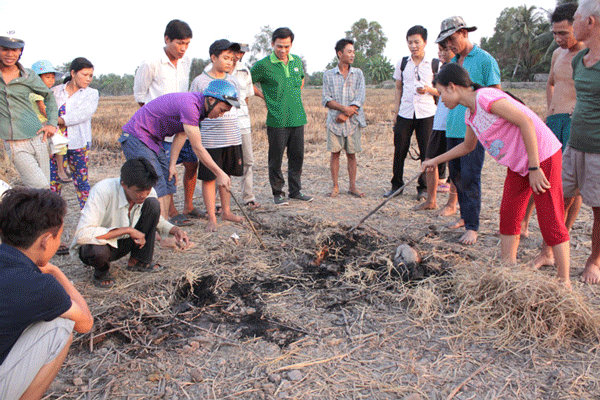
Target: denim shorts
[(134, 148), (185, 155)]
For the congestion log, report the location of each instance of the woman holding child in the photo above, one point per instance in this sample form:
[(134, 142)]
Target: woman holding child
[(77, 102)]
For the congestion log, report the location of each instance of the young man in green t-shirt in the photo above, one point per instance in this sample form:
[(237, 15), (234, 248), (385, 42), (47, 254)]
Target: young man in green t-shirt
[(281, 77)]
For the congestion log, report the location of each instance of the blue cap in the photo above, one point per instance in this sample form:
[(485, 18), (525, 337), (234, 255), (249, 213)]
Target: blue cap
[(43, 67), (222, 90)]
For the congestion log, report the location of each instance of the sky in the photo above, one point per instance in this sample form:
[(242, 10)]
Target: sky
[(117, 35)]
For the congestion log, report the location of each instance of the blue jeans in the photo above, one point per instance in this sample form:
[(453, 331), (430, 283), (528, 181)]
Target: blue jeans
[(465, 173)]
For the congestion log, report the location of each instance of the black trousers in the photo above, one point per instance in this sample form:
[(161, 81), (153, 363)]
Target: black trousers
[(403, 130), (100, 256), (280, 139)]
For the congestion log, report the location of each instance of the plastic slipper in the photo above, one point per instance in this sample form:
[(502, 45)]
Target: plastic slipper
[(63, 250), (252, 205), (64, 180), (104, 280), (359, 195), (143, 267), (195, 214), (180, 220)]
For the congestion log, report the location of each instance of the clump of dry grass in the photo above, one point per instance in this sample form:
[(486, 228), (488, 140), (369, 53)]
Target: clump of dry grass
[(509, 305)]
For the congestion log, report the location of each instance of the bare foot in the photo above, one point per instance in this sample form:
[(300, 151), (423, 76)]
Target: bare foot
[(566, 284), (183, 246), (356, 193), (590, 274), (459, 223), (544, 258), (334, 192), (447, 211), (468, 238), (229, 216), (426, 205), (211, 226), (63, 176)]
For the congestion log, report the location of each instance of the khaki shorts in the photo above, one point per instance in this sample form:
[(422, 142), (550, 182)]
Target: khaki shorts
[(350, 144), (581, 175), (37, 346)]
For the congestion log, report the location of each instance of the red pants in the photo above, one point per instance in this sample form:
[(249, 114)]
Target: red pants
[(549, 205)]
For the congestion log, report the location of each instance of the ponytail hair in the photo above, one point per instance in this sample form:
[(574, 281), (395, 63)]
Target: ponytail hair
[(77, 65), (454, 73)]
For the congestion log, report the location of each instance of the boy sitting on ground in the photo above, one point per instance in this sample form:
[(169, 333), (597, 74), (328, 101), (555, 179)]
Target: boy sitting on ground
[(121, 217), (39, 306)]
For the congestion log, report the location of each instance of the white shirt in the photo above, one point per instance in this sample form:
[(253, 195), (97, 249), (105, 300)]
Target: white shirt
[(159, 76), (246, 88), (413, 104), (79, 109), (107, 208)]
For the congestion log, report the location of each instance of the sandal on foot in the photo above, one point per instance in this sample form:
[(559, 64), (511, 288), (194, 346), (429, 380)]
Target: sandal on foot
[(103, 281), (180, 220), (143, 267), (252, 205), (195, 214)]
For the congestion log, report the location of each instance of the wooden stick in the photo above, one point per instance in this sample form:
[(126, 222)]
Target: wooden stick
[(396, 193), (249, 221)]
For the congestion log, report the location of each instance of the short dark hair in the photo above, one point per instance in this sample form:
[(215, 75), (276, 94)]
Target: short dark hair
[(139, 172), (417, 30), (77, 65), (177, 29), (563, 12), (282, 33), (341, 44), (27, 213)]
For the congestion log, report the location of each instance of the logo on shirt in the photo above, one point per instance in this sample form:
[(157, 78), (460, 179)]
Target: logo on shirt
[(296, 69)]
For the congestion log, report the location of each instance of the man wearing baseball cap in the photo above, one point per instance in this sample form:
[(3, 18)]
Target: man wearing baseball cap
[(465, 172), (24, 136)]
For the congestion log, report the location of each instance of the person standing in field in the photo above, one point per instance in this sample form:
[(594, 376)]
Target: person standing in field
[(414, 106), (23, 134), (169, 72), (344, 96), (246, 88), (560, 93), (465, 172), (48, 75), (581, 158), (435, 147), (281, 77), (220, 136), (77, 104)]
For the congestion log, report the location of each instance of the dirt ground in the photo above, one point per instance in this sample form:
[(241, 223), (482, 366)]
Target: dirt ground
[(229, 319)]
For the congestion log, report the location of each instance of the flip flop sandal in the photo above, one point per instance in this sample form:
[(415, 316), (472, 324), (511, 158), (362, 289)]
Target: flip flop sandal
[(195, 214), (63, 250), (64, 180), (252, 205), (218, 210), (143, 267), (103, 281), (180, 220)]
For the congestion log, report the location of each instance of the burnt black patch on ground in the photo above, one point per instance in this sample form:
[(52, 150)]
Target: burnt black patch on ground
[(199, 292)]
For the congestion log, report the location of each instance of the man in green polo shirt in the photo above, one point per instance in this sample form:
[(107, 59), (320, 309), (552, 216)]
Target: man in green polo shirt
[(281, 77)]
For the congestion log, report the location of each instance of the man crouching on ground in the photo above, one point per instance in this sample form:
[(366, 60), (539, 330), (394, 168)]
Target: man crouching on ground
[(121, 217), (39, 306)]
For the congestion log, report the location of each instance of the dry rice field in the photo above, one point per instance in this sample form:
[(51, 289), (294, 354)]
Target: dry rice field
[(325, 313)]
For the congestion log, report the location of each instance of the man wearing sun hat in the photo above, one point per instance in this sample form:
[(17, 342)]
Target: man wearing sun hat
[(465, 171), (24, 136)]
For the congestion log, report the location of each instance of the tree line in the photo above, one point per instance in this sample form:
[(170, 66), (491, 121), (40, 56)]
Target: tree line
[(522, 44)]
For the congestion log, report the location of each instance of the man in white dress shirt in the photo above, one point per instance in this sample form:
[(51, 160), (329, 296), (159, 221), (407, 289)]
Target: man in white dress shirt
[(169, 72)]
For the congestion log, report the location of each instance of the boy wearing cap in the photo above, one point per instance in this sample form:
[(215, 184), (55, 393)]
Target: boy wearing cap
[(465, 172), (169, 72), (48, 75), (220, 136), (23, 134), (244, 78)]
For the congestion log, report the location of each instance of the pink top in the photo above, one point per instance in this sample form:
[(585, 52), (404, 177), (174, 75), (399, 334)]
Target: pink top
[(502, 139)]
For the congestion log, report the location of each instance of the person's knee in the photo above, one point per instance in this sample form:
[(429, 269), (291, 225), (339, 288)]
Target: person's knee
[(97, 256), (152, 205)]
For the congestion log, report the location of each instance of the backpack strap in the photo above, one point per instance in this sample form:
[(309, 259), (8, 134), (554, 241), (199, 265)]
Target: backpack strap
[(402, 66)]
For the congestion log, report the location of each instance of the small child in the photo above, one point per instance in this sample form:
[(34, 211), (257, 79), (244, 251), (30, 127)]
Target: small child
[(517, 138), (47, 74)]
